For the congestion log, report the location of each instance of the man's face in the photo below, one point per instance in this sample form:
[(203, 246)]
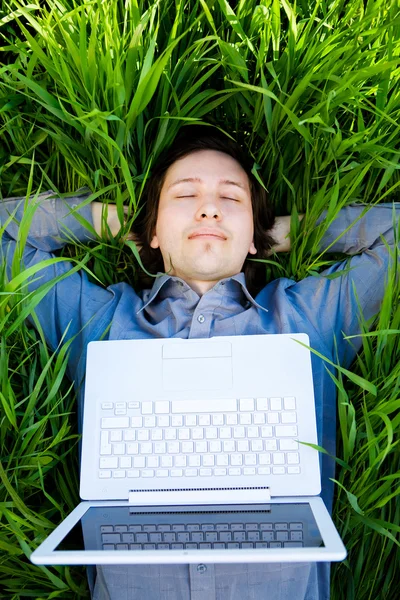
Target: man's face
[(205, 227)]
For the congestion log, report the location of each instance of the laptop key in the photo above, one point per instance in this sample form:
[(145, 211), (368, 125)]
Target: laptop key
[(234, 471), (147, 408), (205, 472), (262, 404), (293, 470), (204, 406), (249, 471), (109, 463), (288, 444), (286, 431), (293, 458), (276, 403), (133, 473), (293, 544), (219, 472), (147, 473), (115, 423), (278, 470), (104, 474), (207, 527), (162, 473), (110, 538), (289, 417), (289, 403), (161, 407), (246, 404)]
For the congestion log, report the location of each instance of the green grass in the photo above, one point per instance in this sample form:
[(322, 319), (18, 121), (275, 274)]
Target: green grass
[(90, 94)]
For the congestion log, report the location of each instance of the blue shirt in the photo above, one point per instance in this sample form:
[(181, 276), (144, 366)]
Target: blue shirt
[(324, 308)]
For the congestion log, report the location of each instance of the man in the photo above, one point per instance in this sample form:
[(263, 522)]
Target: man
[(205, 215)]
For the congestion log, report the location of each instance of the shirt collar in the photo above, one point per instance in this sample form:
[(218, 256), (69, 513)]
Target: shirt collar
[(240, 279), (233, 286)]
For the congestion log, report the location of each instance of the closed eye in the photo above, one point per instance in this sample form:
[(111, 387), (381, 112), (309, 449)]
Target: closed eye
[(223, 198)]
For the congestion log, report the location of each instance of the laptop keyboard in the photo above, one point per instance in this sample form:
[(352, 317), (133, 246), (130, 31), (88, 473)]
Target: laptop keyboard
[(247, 436), (205, 536)]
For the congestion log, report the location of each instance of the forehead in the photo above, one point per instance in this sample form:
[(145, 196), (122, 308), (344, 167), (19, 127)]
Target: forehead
[(207, 167)]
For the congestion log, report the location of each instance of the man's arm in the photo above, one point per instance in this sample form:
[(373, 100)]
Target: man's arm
[(330, 301), (71, 301), (99, 210), (280, 233)]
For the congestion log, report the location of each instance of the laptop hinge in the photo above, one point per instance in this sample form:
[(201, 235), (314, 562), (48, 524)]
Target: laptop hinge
[(177, 497)]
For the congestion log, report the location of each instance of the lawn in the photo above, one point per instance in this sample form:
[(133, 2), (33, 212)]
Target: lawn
[(90, 94)]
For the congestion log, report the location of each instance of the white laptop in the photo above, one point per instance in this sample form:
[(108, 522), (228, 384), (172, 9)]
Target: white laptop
[(192, 452)]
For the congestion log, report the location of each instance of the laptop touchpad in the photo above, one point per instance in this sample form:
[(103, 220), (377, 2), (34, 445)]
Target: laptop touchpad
[(206, 366)]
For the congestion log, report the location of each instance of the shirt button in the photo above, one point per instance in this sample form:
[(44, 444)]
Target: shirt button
[(201, 318), (201, 568)]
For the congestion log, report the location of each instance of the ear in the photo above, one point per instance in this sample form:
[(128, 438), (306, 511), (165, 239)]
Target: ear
[(252, 249), (154, 242)]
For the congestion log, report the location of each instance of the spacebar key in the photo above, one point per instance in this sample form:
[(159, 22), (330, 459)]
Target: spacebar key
[(206, 406)]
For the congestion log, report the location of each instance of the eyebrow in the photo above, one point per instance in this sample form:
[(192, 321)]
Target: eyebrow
[(198, 180)]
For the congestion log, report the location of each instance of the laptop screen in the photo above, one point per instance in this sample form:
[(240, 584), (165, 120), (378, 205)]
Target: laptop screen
[(194, 527)]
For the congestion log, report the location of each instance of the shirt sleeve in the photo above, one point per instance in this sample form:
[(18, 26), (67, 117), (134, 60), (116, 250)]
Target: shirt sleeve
[(66, 294), (329, 302)]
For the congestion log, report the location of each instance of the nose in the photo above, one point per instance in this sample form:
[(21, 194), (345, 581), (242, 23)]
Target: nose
[(209, 209)]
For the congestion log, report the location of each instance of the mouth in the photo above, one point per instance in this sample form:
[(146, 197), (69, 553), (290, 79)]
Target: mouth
[(207, 235)]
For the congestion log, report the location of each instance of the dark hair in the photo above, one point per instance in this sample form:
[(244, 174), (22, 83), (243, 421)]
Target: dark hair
[(192, 138)]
